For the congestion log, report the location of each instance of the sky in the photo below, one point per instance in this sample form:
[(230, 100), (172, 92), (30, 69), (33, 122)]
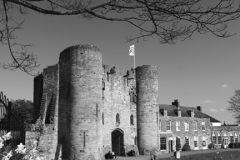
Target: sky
[(203, 72)]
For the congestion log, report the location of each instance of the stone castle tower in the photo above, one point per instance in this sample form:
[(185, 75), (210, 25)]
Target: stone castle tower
[(147, 107), (87, 109)]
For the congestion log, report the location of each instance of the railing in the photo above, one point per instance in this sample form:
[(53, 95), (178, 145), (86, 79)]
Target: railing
[(10, 122)]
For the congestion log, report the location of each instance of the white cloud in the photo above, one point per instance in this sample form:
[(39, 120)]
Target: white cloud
[(213, 110), (216, 110), (221, 110), (225, 86), (208, 101)]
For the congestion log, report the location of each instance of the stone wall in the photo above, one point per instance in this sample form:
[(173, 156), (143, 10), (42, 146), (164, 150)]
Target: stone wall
[(116, 100), (37, 96), (46, 111), (48, 141), (32, 135)]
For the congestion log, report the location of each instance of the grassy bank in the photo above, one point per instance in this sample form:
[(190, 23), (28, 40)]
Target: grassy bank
[(223, 155)]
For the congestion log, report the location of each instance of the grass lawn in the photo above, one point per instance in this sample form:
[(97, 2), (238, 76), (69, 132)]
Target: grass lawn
[(223, 154)]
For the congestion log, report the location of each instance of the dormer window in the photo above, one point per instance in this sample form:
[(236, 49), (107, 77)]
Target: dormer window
[(165, 113), (192, 113), (179, 113)]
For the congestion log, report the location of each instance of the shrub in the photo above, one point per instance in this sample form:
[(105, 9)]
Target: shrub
[(131, 153), (211, 146), (231, 145), (222, 146), (178, 144), (186, 147), (236, 145)]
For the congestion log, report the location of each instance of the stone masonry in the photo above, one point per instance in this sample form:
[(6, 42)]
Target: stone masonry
[(147, 108)]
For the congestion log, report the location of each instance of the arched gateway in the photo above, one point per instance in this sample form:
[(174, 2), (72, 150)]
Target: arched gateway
[(118, 142)]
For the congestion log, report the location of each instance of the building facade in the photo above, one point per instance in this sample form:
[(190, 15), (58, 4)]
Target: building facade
[(188, 124), (83, 109), (223, 135)]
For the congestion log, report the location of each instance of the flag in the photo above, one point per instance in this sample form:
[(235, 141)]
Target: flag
[(132, 50)]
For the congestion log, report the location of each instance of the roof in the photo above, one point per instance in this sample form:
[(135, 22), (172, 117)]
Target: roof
[(184, 112)]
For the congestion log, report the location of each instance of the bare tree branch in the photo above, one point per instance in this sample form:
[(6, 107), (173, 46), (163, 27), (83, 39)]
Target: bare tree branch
[(169, 21), (234, 105)]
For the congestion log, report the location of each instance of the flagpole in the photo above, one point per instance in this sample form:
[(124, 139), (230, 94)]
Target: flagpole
[(134, 56), (132, 53)]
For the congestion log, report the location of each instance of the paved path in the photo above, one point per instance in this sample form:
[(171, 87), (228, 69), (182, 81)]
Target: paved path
[(147, 157)]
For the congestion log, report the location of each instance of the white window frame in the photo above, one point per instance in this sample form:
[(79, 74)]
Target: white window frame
[(214, 139), (187, 139), (219, 139), (195, 126), (168, 125), (203, 126), (186, 124), (195, 140), (177, 125), (204, 140), (164, 143), (236, 140)]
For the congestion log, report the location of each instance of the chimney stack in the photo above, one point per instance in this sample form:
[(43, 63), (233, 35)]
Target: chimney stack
[(199, 108), (176, 103)]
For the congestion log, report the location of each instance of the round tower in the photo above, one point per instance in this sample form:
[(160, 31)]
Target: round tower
[(80, 97), (147, 107)]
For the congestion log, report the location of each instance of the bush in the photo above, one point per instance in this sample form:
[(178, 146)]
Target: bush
[(186, 147), (211, 146), (222, 146), (236, 145), (231, 145), (131, 153)]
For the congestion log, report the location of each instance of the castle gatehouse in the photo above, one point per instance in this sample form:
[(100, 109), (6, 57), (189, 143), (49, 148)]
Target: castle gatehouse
[(85, 109)]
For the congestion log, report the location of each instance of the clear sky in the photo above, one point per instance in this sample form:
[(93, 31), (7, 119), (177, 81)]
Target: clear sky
[(203, 72)]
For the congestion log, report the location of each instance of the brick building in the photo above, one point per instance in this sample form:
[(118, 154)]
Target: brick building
[(189, 124), (83, 109)]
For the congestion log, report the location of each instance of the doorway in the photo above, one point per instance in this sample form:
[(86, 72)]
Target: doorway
[(118, 142), (170, 143), (225, 142)]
